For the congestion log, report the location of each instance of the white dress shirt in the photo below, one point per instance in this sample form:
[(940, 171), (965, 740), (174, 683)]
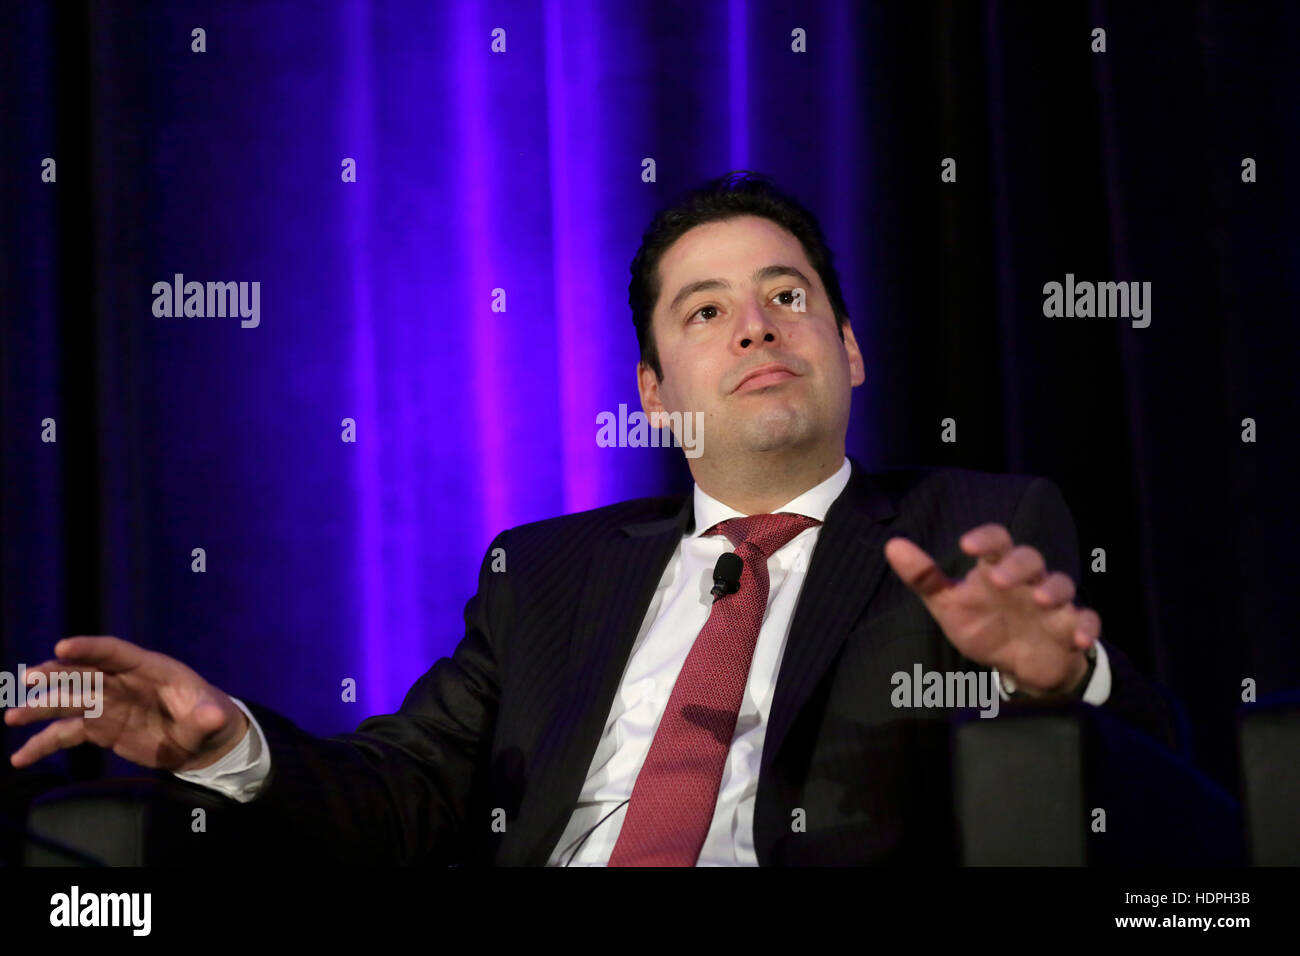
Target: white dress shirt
[(677, 612)]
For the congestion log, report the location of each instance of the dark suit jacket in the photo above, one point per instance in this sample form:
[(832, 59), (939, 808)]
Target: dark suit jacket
[(484, 762)]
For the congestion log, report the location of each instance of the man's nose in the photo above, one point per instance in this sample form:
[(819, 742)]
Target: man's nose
[(756, 325)]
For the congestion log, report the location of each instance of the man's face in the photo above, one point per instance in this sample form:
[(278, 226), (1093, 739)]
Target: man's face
[(710, 339)]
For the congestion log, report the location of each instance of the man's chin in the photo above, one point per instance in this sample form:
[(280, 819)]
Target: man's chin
[(777, 436)]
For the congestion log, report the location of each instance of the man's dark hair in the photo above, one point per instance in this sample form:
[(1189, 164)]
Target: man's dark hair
[(737, 193)]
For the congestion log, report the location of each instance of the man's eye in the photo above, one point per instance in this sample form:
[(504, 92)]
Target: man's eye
[(789, 292), (701, 309)]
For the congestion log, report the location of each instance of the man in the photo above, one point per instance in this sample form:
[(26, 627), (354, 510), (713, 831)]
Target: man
[(615, 702)]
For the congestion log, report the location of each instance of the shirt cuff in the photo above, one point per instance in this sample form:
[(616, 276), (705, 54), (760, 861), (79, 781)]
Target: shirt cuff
[(240, 773), (1098, 690)]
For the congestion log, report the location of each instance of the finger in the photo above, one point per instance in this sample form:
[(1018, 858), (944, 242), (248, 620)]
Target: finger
[(988, 541), (60, 694), (28, 713), (44, 667), (57, 672), (58, 736), (111, 654), (1060, 624), (1087, 630), (1022, 565), (917, 569), (1054, 590)]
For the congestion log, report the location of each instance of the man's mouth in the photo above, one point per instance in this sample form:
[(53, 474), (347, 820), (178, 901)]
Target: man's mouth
[(764, 376)]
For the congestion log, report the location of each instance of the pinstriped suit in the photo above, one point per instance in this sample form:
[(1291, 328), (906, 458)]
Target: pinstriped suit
[(504, 729)]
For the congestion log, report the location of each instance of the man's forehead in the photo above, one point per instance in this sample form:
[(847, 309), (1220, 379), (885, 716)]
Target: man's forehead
[(731, 245)]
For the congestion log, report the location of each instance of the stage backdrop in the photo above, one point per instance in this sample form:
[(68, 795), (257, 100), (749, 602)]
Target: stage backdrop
[(431, 208)]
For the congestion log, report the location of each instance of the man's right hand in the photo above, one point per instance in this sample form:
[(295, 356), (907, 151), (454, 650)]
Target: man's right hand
[(156, 711)]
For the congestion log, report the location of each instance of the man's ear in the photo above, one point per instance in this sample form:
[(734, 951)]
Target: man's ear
[(857, 368), (648, 386)]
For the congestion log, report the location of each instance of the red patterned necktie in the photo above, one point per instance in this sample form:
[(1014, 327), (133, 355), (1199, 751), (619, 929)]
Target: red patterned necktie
[(676, 792)]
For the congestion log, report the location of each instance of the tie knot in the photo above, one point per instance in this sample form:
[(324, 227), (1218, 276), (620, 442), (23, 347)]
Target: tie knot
[(764, 533)]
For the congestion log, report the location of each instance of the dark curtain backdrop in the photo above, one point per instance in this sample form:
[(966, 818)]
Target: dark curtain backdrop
[(522, 171)]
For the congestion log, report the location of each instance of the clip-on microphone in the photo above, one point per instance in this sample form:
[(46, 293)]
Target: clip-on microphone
[(726, 574)]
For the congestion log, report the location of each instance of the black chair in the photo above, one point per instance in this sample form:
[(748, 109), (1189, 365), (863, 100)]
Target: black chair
[(1043, 785), (1269, 732), (1072, 785), (136, 821)]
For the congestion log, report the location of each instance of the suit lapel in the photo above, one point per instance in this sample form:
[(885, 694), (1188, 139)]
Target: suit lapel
[(847, 566), (625, 570)]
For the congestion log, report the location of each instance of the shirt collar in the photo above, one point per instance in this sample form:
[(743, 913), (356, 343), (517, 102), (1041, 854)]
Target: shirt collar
[(814, 503)]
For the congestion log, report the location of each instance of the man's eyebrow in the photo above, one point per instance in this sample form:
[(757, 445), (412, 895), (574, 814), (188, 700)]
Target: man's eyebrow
[(704, 285)]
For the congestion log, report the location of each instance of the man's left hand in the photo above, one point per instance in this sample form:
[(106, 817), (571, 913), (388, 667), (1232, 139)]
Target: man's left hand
[(1008, 612)]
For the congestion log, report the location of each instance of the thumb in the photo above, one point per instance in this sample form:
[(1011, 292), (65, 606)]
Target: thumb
[(917, 569), (208, 717)]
